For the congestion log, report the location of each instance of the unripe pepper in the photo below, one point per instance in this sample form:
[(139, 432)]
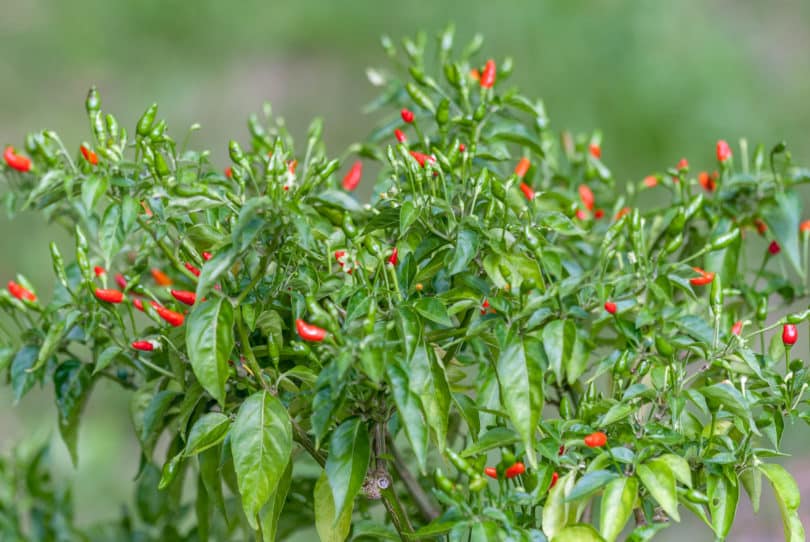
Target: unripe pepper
[(352, 178), (184, 296), (443, 112), (724, 240), (762, 309), (16, 161), (798, 317), (21, 292), (93, 102), (488, 75), (515, 470), (144, 127), (174, 318), (110, 296), (595, 440), (143, 346), (309, 332), (789, 334), (89, 155)]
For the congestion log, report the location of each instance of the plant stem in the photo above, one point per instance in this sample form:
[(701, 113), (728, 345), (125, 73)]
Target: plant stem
[(426, 508)]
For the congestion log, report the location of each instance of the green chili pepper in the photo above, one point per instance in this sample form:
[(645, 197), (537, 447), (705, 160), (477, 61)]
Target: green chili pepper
[(160, 165), (724, 240), (762, 309), (798, 317), (716, 294), (443, 482), (420, 98), (480, 112), (93, 101), (694, 206), (443, 112), (58, 265), (98, 127), (146, 121), (235, 152), (112, 126)]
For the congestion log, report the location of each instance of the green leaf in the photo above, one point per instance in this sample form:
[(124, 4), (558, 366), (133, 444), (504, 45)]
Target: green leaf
[(347, 462), (49, 345), (660, 482), (616, 507), (272, 510), (106, 357), (209, 430), (725, 395), (261, 444), (557, 512), (72, 382), (408, 214), (214, 268), (466, 249), (564, 354), (590, 483), (434, 310), (21, 378), (427, 379), (209, 340), (249, 223), (497, 437), (752, 482), (330, 526), (783, 216), (789, 499), (723, 497), (578, 533), (679, 467), (111, 234), (617, 412), (151, 503), (410, 413), (153, 418), (521, 384), (208, 462)]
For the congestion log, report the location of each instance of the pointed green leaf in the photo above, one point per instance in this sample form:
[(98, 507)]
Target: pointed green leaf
[(347, 462), (410, 413), (210, 340), (330, 526), (272, 510), (72, 382), (578, 533), (723, 497), (660, 482), (616, 507), (466, 249), (590, 483), (783, 216), (788, 498), (209, 430)]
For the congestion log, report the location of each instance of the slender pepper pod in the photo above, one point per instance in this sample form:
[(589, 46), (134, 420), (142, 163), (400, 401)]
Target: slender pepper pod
[(595, 150), (110, 296), (137, 303), (492, 472), (400, 135), (144, 126), (121, 281), (789, 334), (515, 470), (98, 270), (352, 178), (723, 151), (407, 115), (706, 277), (422, 158), (93, 102), (89, 155), (174, 318), (804, 227), (143, 346), (394, 258), (610, 306), (554, 478), (488, 75), (522, 167), (160, 277), (207, 256), (309, 332), (20, 292), (16, 161), (724, 240), (194, 270), (586, 195), (736, 329), (184, 296), (595, 440), (527, 191)]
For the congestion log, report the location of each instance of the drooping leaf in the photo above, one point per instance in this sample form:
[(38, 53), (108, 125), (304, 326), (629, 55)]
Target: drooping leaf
[(789, 499), (723, 497), (209, 430), (210, 340), (660, 482), (616, 506), (72, 382), (330, 526), (347, 462)]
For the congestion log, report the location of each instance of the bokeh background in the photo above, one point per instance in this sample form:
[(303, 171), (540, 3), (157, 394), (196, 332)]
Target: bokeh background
[(662, 80)]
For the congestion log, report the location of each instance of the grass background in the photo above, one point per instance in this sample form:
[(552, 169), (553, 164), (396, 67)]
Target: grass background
[(662, 80)]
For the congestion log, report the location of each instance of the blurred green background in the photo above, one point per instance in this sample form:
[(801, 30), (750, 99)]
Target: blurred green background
[(662, 80)]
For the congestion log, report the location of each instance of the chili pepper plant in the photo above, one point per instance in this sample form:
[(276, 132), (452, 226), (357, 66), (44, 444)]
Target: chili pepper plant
[(501, 342)]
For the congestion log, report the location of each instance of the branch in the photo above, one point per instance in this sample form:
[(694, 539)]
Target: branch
[(420, 497)]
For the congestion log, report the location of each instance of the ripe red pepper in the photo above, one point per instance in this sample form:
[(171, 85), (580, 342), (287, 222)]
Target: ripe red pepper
[(20, 292), (599, 214), (352, 178), (16, 161), (789, 334), (98, 270), (394, 258), (475, 74), (706, 277), (804, 227), (554, 478), (422, 158), (707, 181), (184, 296), (173, 318), (595, 150), (339, 255), (89, 155), (194, 270), (723, 151), (582, 214), (595, 440), (610, 306), (310, 332), (110, 296), (650, 181), (527, 191), (400, 135), (462, 147), (586, 195), (774, 248), (515, 470), (144, 346), (121, 281), (160, 277), (407, 115), (229, 172), (522, 167), (762, 227), (683, 163), (623, 211), (138, 304), (207, 256), (488, 75), (484, 306), (736, 329), (492, 472), (292, 165)]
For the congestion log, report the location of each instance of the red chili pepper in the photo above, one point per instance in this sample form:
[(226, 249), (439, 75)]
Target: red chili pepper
[(207, 256), (160, 277), (650, 181), (723, 151), (561, 451), (16, 161), (804, 227), (462, 147), (146, 209), (229, 172), (488, 75), (194, 270), (309, 332), (339, 254), (492, 472), (586, 195), (20, 292), (515, 470), (736, 329), (599, 214), (527, 191), (352, 178), (789, 334), (422, 158), (706, 277), (762, 227), (407, 115), (155, 305), (121, 281), (595, 440), (475, 74), (98, 270), (89, 155), (173, 318), (610, 306), (682, 164), (707, 182), (522, 167), (554, 478), (774, 248), (484, 306), (400, 135), (292, 165), (110, 296), (394, 258), (144, 346), (623, 211), (184, 296), (138, 304), (582, 214), (595, 150)]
